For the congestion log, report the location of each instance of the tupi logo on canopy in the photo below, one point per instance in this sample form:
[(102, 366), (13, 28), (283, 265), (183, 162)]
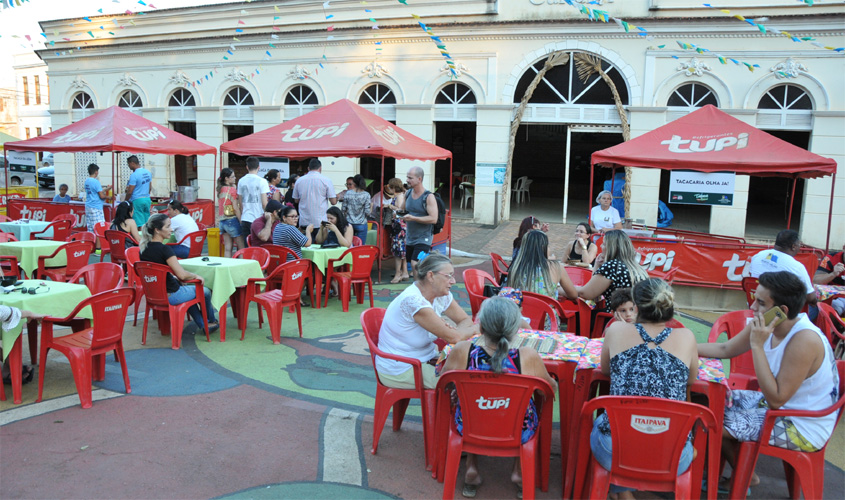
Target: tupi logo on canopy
[(713, 143), (306, 134), (150, 134)]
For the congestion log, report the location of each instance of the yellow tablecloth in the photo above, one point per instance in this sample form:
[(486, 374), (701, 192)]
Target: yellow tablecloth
[(52, 299), (27, 253), (223, 279), (320, 256)]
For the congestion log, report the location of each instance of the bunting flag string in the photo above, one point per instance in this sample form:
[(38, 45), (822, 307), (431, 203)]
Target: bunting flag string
[(438, 42), (758, 23)]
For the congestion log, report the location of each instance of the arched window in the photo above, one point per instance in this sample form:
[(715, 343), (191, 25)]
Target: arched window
[(692, 95), (238, 96), (455, 102), (455, 93), (82, 101), (785, 97), (301, 95), (785, 107), (181, 98), (130, 99), (561, 85), (379, 99)]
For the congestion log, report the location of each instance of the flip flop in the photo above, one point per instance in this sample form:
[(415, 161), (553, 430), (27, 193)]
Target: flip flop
[(396, 280), (27, 372), (519, 491), (469, 490)]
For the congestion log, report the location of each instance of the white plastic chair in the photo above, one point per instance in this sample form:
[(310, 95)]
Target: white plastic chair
[(524, 190), (519, 188), (455, 187), (468, 178), (466, 193)]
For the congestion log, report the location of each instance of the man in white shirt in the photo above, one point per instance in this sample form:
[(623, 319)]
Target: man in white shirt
[(782, 258), (314, 192), (252, 195)]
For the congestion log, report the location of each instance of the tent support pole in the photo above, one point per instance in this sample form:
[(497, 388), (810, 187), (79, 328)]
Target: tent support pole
[(830, 213), (381, 218), (113, 179), (450, 207), (6, 169), (590, 199), (791, 201)]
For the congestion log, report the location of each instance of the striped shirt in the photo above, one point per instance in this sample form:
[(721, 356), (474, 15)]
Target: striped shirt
[(313, 191)]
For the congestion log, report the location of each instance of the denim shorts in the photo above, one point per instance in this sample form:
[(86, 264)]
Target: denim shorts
[(232, 227)]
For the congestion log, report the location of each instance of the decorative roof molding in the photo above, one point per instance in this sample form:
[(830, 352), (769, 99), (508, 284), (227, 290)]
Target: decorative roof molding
[(375, 70), (460, 69), (78, 83), (790, 68), (236, 75), (127, 80), (179, 78), (299, 72), (694, 67)]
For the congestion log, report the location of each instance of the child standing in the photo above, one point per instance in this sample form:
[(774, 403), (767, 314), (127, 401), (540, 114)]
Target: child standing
[(229, 211), (95, 193)]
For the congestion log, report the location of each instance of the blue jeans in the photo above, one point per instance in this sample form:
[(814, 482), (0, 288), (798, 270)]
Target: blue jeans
[(189, 292), (602, 447), (181, 251), (360, 230)]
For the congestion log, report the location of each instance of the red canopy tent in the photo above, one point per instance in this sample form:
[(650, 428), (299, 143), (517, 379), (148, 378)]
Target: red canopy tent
[(710, 140), (117, 130), (342, 128)]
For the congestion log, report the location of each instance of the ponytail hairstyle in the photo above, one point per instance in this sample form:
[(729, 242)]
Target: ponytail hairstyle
[(178, 206), (271, 175), (224, 174), (148, 230), (360, 182), (122, 212), (339, 217), (499, 319), (655, 300)]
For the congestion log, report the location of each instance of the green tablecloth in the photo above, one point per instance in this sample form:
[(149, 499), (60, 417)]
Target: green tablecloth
[(27, 253), (22, 230), (54, 299), (320, 257), (225, 278)]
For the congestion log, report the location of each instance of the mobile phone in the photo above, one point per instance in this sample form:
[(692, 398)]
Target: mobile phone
[(771, 314), (215, 264), (18, 283), (324, 223)]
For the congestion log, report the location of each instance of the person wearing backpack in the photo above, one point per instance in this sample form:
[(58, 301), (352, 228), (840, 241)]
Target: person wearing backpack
[(421, 218)]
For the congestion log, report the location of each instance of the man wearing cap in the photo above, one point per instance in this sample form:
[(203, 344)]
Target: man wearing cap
[(261, 228), (138, 190)]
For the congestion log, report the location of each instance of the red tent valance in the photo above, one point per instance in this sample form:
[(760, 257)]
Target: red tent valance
[(114, 129), (342, 128), (710, 140)]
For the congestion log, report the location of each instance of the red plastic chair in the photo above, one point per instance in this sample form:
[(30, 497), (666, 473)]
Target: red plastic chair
[(742, 374), (84, 236), (260, 254), (661, 427), (5, 218), (100, 230), (398, 399), (804, 471), (61, 231), (15, 361), (359, 274), (496, 429), (7, 237), (76, 253), (569, 315), (197, 240), (537, 311), (500, 267), (278, 256), (105, 335), (70, 217), (116, 241), (356, 241), (474, 282), (9, 265), (749, 286), (153, 278), (829, 323), (99, 277), (285, 288), (133, 255), (578, 275)]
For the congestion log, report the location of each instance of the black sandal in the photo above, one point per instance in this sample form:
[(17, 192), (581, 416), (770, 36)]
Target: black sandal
[(27, 372)]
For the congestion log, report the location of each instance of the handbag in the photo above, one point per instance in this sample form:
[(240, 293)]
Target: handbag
[(491, 291), (228, 210)]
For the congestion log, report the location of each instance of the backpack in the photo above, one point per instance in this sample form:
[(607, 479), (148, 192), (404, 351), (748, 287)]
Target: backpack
[(441, 212)]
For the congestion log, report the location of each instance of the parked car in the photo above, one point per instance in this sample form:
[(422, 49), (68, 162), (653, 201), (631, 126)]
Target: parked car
[(46, 177)]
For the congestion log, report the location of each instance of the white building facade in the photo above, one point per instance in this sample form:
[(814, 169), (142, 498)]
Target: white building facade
[(290, 57), (33, 95)]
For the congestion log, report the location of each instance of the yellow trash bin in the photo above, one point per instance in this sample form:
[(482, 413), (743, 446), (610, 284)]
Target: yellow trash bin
[(215, 242)]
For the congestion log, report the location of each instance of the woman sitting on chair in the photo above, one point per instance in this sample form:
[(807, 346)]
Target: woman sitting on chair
[(153, 234), (336, 230), (532, 271), (499, 319), (183, 225), (616, 267), (646, 359), (582, 251), (415, 318), (124, 222)]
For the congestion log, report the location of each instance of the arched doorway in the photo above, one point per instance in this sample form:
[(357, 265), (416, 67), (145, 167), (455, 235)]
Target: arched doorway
[(454, 115)]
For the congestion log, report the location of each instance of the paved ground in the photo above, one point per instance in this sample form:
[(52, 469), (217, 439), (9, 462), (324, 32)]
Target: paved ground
[(251, 419)]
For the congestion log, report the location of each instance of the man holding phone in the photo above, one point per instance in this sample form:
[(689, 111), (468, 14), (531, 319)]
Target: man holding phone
[(795, 369)]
